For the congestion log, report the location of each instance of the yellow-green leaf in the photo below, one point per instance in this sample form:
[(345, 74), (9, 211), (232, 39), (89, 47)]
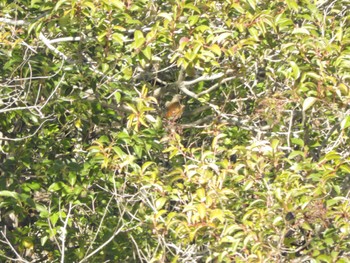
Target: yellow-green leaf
[(217, 214), (201, 210), (192, 7), (139, 39), (147, 52), (160, 202), (201, 194), (216, 49), (345, 123), (301, 30), (308, 102)]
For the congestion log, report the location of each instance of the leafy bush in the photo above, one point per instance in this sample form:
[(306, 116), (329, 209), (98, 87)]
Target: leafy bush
[(255, 170)]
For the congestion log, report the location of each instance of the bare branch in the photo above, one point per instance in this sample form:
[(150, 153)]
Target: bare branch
[(183, 88), (29, 47), (19, 258), (64, 39), (19, 108), (290, 127), (8, 82), (204, 78), (53, 92), (215, 86), (51, 229), (116, 232), (52, 48), (99, 226), (64, 232), (13, 22)]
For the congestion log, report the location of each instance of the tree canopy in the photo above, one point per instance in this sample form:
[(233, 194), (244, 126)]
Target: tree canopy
[(174, 131)]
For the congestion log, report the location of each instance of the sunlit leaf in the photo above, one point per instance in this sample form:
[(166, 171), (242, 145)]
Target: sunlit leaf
[(6, 193), (345, 123), (160, 202), (201, 209), (308, 103)]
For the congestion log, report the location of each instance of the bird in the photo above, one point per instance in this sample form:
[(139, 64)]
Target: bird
[(174, 108)]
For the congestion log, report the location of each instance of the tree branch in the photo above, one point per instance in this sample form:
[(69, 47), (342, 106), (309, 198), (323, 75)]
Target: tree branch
[(203, 78), (53, 49), (64, 39), (13, 22)]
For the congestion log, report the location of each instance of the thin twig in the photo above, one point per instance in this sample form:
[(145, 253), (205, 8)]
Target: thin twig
[(290, 127), (13, 22), (13, 249), (26, 137), (53, 49), (64, 39), (64, 232), (99, 226), (53, 92)]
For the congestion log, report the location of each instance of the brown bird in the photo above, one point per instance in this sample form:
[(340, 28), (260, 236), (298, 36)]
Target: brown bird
[(174, 108)]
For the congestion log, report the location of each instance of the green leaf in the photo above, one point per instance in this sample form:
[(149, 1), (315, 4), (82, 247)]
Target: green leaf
[(295, 154), (216, 49), (201, 209), (202, 28), (345, 123), (34, 2), (217, 214), (117, 97), (345, 168), (325, 258), (160, 202), (89, 5), (298, 141), (252, 4), (59, 3), (222, 37), (146, 165), (295, 69), (308, 103), (72, 178), (103, 139), (193, 20), (139, 39), (229, 239), (166, 16), (277, 220), (248, 185), (160, 213), (117, 37), (201, 194), (238, 7), (313, 75), (331, 156), (116, 3), (293, 5), (121, 154), (274, 144), (54, 218), (192, 7), (56, 186), (138, 150), (147, 52), (6, 193), (301, 30)]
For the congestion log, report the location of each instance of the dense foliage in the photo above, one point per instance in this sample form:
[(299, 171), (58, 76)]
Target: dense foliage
[(257, 169)]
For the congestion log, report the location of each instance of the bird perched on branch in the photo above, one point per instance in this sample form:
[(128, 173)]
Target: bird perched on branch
[(174, 108)]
